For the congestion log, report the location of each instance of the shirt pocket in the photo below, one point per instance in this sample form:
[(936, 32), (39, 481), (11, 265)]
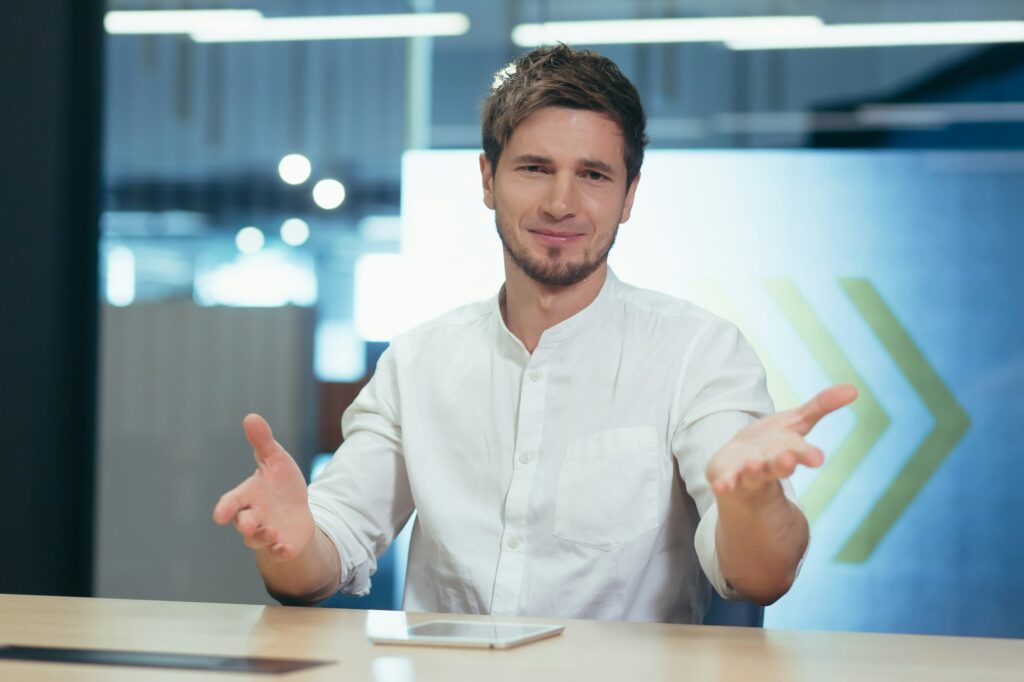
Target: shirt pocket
[(608, 488)]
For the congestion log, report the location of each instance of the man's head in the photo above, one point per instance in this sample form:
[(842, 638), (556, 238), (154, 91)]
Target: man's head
[(563, 138), (562, 77)]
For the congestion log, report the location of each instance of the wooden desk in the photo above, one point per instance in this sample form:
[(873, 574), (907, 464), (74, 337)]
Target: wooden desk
[(588, 650)]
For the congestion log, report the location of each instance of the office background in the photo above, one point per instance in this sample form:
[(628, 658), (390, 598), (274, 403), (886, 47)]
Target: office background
[(201, 226)]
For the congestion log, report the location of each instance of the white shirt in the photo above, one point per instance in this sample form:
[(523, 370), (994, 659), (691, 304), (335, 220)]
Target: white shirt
[(569, 482)]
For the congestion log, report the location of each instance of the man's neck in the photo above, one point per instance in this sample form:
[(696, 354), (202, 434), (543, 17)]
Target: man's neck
[(529, 307)]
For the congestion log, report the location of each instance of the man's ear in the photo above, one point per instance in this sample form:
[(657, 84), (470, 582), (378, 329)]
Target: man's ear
[(487, 178), (627, 206)]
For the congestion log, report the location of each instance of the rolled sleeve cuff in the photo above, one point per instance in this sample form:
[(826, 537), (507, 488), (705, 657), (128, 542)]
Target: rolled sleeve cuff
[(357, 565), (707, 553)]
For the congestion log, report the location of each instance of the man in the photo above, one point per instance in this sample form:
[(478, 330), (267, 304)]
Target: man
[(574, 447)]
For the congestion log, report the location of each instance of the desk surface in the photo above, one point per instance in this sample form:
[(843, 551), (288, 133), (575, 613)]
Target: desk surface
[(588, 650)]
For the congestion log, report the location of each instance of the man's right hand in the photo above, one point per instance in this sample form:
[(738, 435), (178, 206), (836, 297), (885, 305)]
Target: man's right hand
[(270, 508)]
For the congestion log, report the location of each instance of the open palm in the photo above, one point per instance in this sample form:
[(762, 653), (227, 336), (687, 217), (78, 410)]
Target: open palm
[(772, 448)]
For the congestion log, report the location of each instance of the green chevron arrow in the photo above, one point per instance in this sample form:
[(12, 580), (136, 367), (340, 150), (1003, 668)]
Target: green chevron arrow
[(951, 422), (872, 420), (717, 301)]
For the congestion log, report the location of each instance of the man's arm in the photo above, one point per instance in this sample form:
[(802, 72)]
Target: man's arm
[(761, 535), (270, 509), (313, 542), (760, 543)]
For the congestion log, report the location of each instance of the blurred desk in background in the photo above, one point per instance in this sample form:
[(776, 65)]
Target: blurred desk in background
[(588, 650)]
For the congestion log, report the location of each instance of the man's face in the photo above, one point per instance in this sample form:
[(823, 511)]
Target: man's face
[(559, 193)]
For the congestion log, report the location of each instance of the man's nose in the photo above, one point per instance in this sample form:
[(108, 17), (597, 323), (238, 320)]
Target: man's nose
[(560, 200)]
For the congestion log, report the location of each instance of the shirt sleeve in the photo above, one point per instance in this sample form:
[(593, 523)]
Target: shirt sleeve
[(721, 389), (361, 499)]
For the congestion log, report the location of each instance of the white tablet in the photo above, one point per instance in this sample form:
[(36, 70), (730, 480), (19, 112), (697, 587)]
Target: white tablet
[(469, 633)]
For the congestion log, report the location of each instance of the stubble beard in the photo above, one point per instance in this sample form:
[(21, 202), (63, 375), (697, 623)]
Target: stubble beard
[(554, 271)]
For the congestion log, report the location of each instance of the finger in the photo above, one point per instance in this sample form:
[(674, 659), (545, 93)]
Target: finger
[(723, 483), (754, 474), (282, 551), (247, 522), (255, 542), (266, 535), (754, 467), (803, 452), (826, 402), (260, 437), (744, 473), (229, 504), (263, 537), (784, 465), (809, 455)]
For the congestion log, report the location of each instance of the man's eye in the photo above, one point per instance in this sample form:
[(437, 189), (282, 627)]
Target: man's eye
[(532, 169), (594, 175)]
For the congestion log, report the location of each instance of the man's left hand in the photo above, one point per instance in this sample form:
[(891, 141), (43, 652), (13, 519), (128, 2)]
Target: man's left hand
[(771, 448)]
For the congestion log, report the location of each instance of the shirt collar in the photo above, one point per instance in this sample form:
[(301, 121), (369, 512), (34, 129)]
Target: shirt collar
[(568, 327)]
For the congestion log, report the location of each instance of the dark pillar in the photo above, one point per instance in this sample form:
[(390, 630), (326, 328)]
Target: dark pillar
[(50, 95)]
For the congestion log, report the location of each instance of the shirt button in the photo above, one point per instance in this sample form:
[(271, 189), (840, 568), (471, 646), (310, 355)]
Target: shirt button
[(535, 375), (513, 542), (525, 457)]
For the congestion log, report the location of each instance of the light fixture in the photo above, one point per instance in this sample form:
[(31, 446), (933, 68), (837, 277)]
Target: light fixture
[(294, 169), (294, 232), (630, 31), (148, 22), (339, 353), (328, 194), (265, 279), (249, 240), (888, 34), (338, 28), (120, 276)]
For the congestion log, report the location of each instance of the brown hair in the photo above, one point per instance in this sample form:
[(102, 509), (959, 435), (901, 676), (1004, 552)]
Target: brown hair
[(562, 77)]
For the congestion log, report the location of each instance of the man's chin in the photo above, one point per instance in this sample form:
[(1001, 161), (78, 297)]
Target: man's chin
[(557, 273)]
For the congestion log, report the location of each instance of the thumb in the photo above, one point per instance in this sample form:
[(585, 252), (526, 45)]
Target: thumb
[(257, 431)]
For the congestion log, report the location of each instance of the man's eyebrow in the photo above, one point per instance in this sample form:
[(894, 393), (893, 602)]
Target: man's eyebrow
[(597, 165), (532, 158)]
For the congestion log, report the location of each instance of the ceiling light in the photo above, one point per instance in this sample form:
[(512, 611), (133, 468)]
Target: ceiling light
[(328, 194), (294, 169), (294, 232), (249, 239), (889, 34), (339, 28), (629, 31), (177, 21)]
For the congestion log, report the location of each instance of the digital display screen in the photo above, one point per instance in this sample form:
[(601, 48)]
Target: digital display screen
[(897, 271)]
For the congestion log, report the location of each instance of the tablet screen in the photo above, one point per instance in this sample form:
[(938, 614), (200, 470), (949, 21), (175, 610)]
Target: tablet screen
[(485, 631)]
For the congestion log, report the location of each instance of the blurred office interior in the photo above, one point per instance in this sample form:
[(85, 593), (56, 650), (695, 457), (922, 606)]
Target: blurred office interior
[(232, 210)]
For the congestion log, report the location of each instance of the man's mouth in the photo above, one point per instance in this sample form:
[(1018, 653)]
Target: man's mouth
[(555, 237)]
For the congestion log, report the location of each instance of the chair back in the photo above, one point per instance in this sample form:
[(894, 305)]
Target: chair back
[(739, 613)]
